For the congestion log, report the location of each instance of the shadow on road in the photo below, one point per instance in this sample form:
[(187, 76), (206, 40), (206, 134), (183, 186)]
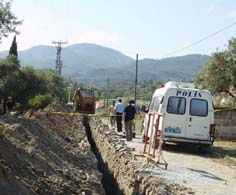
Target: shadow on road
[(217, 152), (207, 174)]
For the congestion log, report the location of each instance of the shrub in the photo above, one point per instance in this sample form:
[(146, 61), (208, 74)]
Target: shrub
[(40, 101)]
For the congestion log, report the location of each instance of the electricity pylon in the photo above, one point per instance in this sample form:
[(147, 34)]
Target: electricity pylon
[(58, 45)]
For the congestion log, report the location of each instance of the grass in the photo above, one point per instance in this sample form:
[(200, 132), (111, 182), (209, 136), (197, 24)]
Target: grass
[(138, 123), (225, 151)]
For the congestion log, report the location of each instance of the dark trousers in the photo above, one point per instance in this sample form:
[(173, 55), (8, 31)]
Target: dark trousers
[(128, 129), (119, 121)]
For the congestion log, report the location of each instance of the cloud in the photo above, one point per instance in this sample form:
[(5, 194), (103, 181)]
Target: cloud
[(232, 14), (97, 37), (211, 9)]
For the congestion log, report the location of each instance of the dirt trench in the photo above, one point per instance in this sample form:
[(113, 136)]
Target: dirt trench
[(109, 183), (121, 173), (46, 153), (53, 153)]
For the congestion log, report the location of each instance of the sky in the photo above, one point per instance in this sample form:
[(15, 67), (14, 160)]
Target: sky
[(151, 28)]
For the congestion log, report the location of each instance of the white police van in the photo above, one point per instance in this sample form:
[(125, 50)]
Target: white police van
[(188, 113)]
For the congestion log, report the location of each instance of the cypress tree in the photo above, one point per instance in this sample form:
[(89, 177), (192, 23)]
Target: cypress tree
[(13, 48)]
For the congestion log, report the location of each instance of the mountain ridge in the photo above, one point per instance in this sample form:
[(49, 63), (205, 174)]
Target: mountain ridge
[(92, 64)]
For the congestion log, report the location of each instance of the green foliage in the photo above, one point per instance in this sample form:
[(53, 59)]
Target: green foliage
[(145, 90), (13, 48), (215, 75), (40, 101), (219, 74), (8, 66), (55, 84), (231, 57), (28, 86), (8, 21)]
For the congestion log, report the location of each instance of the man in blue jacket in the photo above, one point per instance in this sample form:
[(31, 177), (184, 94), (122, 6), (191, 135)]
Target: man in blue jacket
[(119, 108)]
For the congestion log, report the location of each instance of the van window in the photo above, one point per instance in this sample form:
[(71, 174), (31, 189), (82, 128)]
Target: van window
[(176, 105), (198, 107), (151, 107), (157, 103)]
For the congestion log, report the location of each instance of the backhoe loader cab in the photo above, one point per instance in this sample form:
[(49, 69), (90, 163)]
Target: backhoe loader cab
[(84, 101)]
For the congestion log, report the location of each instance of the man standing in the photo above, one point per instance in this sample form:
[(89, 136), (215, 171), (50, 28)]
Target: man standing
[(128, 116), (119, 108), (112, 113), (9, 104)]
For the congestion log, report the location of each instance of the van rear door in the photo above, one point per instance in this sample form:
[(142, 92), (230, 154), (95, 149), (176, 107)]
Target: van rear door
[(175, 117), (199, 118)]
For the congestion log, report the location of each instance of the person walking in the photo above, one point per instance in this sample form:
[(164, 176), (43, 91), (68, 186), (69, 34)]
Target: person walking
[(112, 113), (128, 116), (9, 104), (119, 108)]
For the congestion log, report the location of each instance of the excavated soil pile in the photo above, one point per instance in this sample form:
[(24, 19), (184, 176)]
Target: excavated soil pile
[(46, 153)]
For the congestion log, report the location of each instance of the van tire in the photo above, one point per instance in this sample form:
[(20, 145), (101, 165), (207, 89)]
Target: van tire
[(204, 148)]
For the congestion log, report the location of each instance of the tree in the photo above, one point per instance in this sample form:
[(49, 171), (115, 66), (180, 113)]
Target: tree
[(8, 66), (231, 57), (8, 69), (13, 48), (8, 21), (31, 87), (219, 74)]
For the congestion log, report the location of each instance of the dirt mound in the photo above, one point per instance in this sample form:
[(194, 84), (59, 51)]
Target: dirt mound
[(46, 154), (57, 106)]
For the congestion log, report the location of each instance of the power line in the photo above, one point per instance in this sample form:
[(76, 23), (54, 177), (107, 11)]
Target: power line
[(199, 41)]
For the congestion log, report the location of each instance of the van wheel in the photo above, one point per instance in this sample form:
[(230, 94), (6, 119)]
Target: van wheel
[(204, 148)]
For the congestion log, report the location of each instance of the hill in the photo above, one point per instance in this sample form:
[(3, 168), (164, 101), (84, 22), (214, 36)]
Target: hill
[(175, 68), (183, 68), (77, 58), (92, 64)]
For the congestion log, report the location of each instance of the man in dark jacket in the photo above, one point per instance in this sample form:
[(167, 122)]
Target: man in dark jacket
[(10, 104), (128, 116)]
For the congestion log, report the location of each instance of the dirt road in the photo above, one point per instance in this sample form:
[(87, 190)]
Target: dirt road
[(204, 173)]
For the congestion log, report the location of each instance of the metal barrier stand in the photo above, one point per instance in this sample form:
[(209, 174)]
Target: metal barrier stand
[(153, 143)]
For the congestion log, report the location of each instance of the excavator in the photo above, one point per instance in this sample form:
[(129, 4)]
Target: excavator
[(84, 101)]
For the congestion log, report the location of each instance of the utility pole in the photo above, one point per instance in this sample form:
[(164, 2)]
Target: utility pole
[(136, 79), (58, 45), (107, 93), (69, 94)]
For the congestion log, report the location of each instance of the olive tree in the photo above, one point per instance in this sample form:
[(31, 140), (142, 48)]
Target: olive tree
[(219, 74), (8, 21)]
